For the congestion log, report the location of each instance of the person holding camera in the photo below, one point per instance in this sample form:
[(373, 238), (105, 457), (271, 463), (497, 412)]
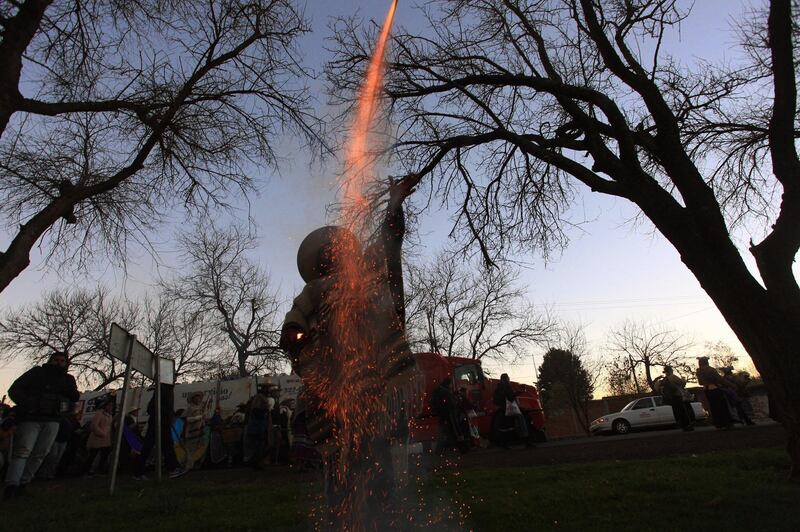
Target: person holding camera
[(43, 395)]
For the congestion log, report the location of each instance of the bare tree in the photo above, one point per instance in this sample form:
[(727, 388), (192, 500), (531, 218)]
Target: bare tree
[(721, 354), (465, 310), (641, 348), (622, 379), (507, 105), (114, 113), (571, 336), (233, 293), (76, 322), (181, 334)]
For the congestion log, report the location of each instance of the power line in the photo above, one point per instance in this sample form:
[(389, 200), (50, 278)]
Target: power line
[(614, 304), (689, 314), (631, 300)]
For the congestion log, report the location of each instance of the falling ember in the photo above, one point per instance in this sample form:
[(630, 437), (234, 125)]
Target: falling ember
[(350, 370), (346, 337)]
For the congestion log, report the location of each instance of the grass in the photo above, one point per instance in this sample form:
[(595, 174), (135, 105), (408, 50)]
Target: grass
[(198, 502), (742, 490)]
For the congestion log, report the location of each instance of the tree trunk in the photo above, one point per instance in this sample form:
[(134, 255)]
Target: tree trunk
[(18, 31), (17, 256), (649, 375), (774, 346), (241, 359), (768, 326), (773, 341)]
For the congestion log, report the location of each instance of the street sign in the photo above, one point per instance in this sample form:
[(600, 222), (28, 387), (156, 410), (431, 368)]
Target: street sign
[(167, 373), (142, 359), (124, 346)]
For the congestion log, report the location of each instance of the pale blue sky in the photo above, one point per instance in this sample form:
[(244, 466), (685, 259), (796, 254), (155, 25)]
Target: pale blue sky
[(610, 271)]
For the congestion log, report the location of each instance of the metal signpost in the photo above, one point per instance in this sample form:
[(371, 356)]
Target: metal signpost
[(124, 346), (159, 432), (129, 340)]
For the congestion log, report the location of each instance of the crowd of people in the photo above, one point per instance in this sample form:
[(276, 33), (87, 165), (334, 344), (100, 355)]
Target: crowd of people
[(42, 435), (727, 395), (726, 392)]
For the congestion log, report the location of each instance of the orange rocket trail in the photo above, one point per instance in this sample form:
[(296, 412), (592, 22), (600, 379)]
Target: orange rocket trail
[(352, 384), (360, 161)]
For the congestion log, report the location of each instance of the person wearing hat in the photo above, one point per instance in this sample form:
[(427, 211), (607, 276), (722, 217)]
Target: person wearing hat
[(43, 394), (672, 391), (331, 319), (712, 381), (98, 444), (195, 439)]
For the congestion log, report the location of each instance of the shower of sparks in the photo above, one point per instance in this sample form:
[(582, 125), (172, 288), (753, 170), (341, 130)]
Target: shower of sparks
[(350, 379)]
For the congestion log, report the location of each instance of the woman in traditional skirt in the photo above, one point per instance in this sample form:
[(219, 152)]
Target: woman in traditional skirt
[(195, 439), (303, 454)]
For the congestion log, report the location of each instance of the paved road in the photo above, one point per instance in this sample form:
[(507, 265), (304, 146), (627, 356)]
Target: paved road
[(650, 444)]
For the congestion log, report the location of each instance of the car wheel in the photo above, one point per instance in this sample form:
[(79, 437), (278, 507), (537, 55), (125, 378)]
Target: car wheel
[(620, 426)]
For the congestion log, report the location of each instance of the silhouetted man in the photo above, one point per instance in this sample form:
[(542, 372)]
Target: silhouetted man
[(505, 398), (444, 406), (43, 395), (712, 381), (672, 393)]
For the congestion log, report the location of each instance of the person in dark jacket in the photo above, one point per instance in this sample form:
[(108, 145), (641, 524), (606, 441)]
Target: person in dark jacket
[(503, 395), (713, 383), (167, 448), (256, 429), (672, 388), (43, 394), (445, 406)]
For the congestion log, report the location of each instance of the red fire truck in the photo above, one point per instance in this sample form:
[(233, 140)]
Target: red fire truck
[(466, 373)]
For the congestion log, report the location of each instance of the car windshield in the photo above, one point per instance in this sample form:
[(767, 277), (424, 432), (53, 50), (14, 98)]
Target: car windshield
[(629, 405)]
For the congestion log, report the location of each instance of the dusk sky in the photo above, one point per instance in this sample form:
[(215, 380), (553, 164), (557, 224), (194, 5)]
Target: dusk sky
[(611, 271)]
